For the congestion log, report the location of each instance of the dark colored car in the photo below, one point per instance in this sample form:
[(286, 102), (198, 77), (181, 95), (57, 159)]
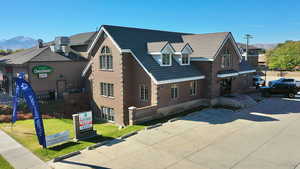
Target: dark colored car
[(289, 90)]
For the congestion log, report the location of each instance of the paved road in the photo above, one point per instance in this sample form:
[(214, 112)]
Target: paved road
[(266, 136)]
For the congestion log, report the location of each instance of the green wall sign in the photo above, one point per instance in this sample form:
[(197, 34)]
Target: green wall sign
[(42, 69)]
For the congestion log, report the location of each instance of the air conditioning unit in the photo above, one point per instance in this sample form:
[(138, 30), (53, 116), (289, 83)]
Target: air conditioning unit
[(61, 44)]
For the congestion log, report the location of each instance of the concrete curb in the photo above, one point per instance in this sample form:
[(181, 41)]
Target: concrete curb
[(66, 156), (153, 126), (173, 119), (129, 134), (97, 145)]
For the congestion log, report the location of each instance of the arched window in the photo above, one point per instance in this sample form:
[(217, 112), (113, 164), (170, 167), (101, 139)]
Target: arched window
[(106, 59)]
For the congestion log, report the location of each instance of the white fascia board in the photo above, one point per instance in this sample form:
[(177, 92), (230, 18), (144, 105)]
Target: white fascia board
[(97, 38), (229, 36), (86, 68), (129, 51), (227, 75), (247, 71), (180, 80), (201, 59), (154, 53)]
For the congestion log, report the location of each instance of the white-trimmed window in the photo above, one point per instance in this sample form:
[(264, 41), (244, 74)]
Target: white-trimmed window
[(226, 59), (193, 88), (174, 91), (185, 59), (106, 59), (107, 89), (107, 113), (166, 59), (144, 92)]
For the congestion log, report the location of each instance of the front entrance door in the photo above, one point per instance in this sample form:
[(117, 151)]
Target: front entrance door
[(61, 87), (225, 86)]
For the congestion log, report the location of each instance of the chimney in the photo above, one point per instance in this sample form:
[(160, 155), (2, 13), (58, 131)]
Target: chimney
[(40, 43)]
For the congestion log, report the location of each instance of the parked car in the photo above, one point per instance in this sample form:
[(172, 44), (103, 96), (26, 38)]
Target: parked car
[(258, 81), (287, 89), (285, 81)]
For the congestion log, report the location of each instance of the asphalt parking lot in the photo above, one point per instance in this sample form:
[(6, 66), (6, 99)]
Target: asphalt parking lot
[(266, 136)]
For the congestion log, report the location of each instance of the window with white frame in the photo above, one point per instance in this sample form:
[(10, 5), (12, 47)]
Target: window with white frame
[(226, 59), (106, 59), (107, 89), (107, 113), (144, 92), (193, 88), (185, 60), (166, 59), (174, 91)]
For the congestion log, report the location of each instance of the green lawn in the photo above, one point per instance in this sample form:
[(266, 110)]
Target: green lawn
[(24, 132), (4, 164)]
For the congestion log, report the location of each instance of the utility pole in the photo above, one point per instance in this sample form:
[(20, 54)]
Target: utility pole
[(248, 37)]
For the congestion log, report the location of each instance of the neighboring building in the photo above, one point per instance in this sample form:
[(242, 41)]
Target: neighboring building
[(140, 74), (253, 53), (54, 66)]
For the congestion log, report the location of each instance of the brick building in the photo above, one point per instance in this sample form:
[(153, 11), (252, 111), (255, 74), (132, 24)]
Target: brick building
[(139, 74)]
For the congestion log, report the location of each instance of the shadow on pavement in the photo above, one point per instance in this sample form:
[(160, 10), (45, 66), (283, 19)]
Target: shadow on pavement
[(221, 116), (83, 164)]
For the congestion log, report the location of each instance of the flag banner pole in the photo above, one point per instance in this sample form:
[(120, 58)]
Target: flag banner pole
[(23, 86)]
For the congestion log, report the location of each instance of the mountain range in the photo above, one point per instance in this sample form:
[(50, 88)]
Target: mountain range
[(19, 42)]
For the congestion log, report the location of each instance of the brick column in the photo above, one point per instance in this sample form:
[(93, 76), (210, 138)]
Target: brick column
[(131, 112)]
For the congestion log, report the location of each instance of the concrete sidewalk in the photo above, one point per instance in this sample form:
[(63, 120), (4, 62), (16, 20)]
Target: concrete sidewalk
[(17, 155)]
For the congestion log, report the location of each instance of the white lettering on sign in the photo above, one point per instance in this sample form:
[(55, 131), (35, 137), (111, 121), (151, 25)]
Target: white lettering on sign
[(85, 120), (43, 75), (57, 138)]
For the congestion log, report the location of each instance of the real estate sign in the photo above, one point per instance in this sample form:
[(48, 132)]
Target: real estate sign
[(57, 138), (85, 120)]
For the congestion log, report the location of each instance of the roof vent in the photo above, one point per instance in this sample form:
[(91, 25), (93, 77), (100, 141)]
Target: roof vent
[(40, 43)]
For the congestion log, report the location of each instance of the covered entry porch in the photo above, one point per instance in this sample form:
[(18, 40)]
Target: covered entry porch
[(226, 79)]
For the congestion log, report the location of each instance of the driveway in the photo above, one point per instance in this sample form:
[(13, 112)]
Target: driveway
[(266, 136)]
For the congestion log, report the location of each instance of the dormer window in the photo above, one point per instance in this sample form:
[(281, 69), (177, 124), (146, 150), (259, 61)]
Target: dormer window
[(166, 59), (185, 59)]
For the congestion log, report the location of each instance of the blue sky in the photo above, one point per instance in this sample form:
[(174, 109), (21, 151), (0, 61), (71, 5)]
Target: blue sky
[(268, 20)]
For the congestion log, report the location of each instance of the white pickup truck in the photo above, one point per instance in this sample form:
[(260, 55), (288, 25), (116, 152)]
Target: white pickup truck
[(285, 81)]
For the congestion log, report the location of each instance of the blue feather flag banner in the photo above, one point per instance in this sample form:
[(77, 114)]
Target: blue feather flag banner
[(25, 88)]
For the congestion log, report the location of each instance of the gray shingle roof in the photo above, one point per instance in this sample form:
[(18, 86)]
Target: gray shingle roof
[(22, 56), (48, 56), (33, 54), (82, 38), (205, 45), (138, 40), (156, 46), (178, 46)]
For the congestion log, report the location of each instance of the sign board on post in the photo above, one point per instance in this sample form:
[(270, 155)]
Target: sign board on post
[(57, 138), (83, 125), (85, 120)]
